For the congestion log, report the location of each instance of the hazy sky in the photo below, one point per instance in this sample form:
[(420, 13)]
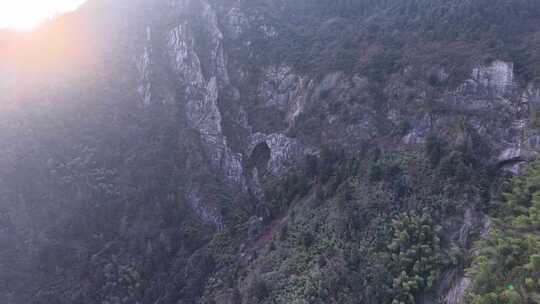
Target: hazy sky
[(26, 14)]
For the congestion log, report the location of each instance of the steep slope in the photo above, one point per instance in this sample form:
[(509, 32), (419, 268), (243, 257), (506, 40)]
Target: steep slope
[(505, 268), (198, 151)]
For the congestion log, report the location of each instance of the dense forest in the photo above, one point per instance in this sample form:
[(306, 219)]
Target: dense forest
[(382, 36), (272, 151), (506, 264)]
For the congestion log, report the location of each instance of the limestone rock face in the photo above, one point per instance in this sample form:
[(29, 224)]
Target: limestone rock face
[(235, 22), (279, 83), (285, 152), (201, 88), (283, 89), (204, 115), (197, 57), (207, 214), (145, 86), (184, 59), (497, 78), (491, 101)]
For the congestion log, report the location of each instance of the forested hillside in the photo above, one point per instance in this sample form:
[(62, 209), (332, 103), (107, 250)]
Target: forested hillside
[(272, 151), (506, 264)]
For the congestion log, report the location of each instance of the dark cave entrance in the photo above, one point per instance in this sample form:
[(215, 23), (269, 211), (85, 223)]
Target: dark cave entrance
[(259, 158)]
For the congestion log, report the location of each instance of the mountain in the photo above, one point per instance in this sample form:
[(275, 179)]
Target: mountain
[(262, 151)]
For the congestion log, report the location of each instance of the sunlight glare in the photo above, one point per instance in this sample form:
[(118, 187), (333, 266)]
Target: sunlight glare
[(27, 14)]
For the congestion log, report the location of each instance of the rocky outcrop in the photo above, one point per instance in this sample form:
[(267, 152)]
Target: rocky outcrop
[(200, 65), (284, 152), (519, 141), (286, 91), (497, 79), (207, 214), (235, 22), (143, 64), (185, 60), (491, 102), (201, 92)]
